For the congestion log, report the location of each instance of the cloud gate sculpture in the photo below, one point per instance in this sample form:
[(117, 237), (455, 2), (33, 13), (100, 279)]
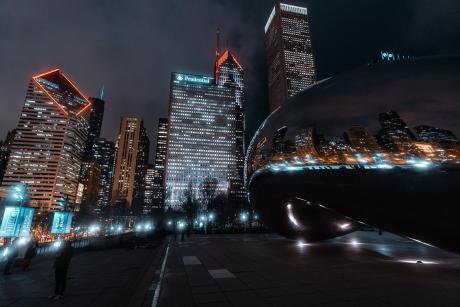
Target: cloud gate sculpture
[(373, 146)]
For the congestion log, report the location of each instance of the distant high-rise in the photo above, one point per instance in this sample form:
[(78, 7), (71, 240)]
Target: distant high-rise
[(5, 150), (202, 135), (90, 178), (395, 135), (160, 163), (104, 152), (291, 66), (95, 123), (433, 134), (130, 162), (361, 140), (149, 181), (47, 151), (305, 142)]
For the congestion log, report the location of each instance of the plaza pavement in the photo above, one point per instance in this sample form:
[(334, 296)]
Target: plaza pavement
[(105, 277), (360, 269)]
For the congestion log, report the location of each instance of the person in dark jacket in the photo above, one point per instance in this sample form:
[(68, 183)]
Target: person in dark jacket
[(11, 255), (31, 252), (61, 265)]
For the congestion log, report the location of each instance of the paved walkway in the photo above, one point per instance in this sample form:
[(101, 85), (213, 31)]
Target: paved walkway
[(361, 269), (111, 277)]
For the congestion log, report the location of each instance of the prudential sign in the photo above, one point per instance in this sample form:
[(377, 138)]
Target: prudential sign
[(193, 79)]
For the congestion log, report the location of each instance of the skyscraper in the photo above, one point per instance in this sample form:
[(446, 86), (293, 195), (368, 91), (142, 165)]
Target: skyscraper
[(395, 135), (149, 181), (95, 123), (202, 144), (361, 140), (90, 178), (291, 66), (104, 153), (130, 162), (5, 150), (160, 163), (47, 151), (433, 134), (229, 73)]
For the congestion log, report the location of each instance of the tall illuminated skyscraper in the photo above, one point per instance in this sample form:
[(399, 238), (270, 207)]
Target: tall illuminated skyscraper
[(160, 163), (95, 123), (291, 66), (104, 152), (130, 162), (149, 181), (48, 148), (202, 137), (229, 73)]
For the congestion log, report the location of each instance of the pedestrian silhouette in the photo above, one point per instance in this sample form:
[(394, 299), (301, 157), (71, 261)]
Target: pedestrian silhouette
[(11, 255), (61, 265), (31, 252)]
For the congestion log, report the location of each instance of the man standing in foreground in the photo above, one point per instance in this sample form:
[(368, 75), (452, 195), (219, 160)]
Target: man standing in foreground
[(61, 266)]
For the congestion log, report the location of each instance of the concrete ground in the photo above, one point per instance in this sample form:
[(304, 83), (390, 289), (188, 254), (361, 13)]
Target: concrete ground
[(360, 269), (109, 277)]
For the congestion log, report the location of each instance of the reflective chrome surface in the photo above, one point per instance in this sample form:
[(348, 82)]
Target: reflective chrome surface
[(309, 182)]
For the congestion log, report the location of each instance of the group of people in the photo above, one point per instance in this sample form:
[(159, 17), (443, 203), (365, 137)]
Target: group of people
[(61, 263)]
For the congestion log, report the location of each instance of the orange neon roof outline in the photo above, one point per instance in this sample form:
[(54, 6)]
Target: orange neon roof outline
[(71, 83), (225, 56), (49, 95), (79, 92)]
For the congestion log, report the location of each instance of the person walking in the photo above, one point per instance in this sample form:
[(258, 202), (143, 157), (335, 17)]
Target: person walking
[(11, 255), (61, 265), (31, 252)]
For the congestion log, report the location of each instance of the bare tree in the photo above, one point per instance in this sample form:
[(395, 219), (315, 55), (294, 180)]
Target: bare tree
[(208, 191)]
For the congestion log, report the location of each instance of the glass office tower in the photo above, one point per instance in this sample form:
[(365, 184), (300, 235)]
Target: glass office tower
[(104, 152), (202, 146), (159, 165), (130, 162), (291, 66)]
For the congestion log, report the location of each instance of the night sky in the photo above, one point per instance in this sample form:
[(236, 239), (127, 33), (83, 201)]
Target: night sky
[(132, 46)]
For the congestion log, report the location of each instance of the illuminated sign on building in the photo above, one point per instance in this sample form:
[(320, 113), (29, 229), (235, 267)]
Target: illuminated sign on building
[(193, 79), (16, 222), (62, 221), (391, 56)]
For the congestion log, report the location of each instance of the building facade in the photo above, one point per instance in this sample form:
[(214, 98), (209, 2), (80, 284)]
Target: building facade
[(160, 164), (361, 140), (395, 135), (48, 148), (130, 163), (104, 152), (230, 74), (290, 60), (433, 134), (5, 150), (202, 142), (89, 188), (95, 123), (149, 181)]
